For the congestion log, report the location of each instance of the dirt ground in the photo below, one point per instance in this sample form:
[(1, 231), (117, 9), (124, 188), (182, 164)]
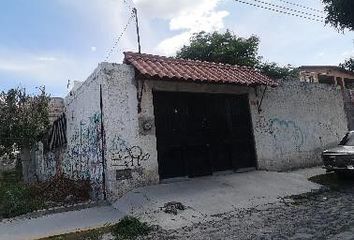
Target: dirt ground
[(328, 214)]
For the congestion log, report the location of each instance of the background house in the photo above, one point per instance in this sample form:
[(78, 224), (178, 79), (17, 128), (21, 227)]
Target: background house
[(327, 74)]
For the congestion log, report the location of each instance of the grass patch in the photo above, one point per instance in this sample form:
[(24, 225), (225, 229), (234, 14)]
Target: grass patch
[(128, 228), (16, 198)]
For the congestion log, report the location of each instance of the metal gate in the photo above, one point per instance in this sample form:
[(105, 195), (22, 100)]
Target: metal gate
[(198, 134)]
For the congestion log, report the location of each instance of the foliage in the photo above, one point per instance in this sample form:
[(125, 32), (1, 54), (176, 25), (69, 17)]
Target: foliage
[(23, 118), (17, 199), (222, 48), (273, 70), (230, 49), (340, 13), (130, 228), (348, 64)]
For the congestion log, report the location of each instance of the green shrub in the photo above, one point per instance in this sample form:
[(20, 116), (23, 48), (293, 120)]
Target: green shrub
[(12, 176), (16, 199), (130, 228)]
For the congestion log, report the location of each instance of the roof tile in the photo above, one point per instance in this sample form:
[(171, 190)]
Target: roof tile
[(180, 69)]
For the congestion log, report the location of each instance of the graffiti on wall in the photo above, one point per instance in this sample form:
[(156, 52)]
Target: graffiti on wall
[(125, 155), (84, 154), (287, 135), (48, 165)]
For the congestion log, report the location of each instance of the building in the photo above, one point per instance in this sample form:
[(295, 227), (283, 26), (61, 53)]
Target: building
[(154, 118), (55, 108), (328, 75)]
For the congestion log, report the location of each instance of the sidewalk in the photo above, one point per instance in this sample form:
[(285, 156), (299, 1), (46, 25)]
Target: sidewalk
[(55, 224), (204, 198)]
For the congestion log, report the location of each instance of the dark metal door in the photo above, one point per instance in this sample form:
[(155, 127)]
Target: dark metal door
[(198, 134)]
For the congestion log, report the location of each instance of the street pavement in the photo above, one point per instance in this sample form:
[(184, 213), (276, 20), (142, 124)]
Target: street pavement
[(324, 215)]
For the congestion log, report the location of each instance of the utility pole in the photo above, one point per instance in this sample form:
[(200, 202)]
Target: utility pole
[(135, 11)]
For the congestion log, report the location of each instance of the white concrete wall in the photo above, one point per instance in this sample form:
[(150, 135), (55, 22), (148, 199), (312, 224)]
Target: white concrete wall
[(298, 120), (131, 155), (83, 155)]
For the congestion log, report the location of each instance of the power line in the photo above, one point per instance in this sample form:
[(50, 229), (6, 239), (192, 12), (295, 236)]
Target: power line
[(279, 11), (128, 4), (289, 9), (302, 6), (115, 44)]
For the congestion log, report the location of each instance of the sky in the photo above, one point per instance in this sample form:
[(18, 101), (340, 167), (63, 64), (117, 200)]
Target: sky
[(50, 42)]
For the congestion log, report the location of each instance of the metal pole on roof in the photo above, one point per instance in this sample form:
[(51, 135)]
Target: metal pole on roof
[(135, 11)]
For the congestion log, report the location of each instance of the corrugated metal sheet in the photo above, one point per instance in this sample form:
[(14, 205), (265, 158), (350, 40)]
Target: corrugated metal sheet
[(57, 133), (167, 68)]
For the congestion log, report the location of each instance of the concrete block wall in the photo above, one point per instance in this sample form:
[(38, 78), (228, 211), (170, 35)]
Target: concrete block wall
[(298, 120)]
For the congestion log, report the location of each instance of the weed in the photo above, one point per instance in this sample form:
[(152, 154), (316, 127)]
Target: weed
[(127, 229), (130, 228), (16, 199)]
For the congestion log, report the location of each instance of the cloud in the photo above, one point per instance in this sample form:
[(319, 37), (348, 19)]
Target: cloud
[(34, 68), (170, 45), (347, 54), (46, 59), (186, 16)]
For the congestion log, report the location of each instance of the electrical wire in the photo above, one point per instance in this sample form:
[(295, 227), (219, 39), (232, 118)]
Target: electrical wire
[(302, 6), (125, 2), (280, 11), (290, 9), (115, 44)]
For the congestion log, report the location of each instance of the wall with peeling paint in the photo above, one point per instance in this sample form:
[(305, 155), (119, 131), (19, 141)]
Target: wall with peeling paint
[(298, 120)]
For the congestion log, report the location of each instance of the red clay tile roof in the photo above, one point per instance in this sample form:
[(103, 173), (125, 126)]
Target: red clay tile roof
[(159, 67)]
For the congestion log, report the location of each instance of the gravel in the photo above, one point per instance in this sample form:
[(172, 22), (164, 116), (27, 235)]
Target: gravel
[(324, 215)]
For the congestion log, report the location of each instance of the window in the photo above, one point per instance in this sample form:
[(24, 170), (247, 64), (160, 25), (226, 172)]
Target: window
[(326, 79), (348, 140), (349, 83)]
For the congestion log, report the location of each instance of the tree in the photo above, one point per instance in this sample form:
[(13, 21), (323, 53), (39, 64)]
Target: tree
[(348, 64), (273, 70), (222, 48), (23, 118), (228, 48), (340, 13)]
